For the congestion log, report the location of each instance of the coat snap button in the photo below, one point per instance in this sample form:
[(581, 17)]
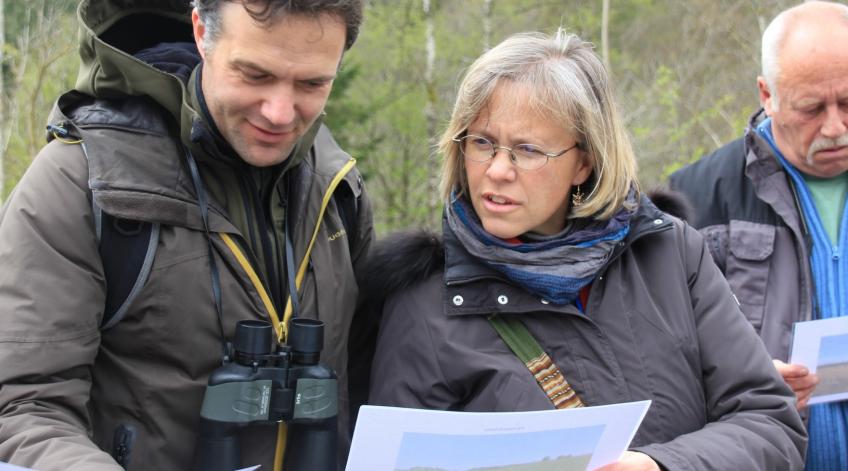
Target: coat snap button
[(545, 301), (457, 300), (657, 222), (502, 299)]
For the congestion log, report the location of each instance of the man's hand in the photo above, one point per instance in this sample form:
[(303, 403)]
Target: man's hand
[(632, 461), (799, 379)]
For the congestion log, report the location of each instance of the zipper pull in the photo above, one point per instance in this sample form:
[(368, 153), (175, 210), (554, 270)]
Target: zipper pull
[(122, 443)]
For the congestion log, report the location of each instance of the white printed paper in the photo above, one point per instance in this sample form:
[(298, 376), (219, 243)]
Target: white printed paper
[(10, 467), (398, 439), (822, 346)]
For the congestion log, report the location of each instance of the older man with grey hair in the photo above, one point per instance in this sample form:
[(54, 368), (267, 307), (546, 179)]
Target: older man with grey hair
[(772, 203)]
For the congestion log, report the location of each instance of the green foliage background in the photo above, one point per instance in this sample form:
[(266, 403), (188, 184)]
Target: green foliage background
[(39, 63), (684, 72)]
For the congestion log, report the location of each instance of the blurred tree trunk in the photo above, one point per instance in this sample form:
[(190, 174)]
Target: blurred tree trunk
[(605, 34), (430, 107), (3, 109), (38, 65), (487, 24)]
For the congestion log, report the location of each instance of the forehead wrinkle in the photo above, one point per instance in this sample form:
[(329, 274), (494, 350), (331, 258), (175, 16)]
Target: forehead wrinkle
[(509, 104), (253, 39)]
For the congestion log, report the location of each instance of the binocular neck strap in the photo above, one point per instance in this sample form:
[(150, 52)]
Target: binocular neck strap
[(203, 204), (290, 272)]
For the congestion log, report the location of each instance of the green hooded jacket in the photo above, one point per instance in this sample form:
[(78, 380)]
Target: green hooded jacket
[(68, 389)]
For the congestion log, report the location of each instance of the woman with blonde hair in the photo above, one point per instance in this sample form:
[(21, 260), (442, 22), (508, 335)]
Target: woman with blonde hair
[(559, 284)]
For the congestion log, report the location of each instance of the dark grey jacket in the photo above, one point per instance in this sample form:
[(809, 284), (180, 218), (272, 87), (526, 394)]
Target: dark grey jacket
[(747, 211), (660, 324)]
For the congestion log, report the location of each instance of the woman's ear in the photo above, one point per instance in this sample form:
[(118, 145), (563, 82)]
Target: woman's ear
[(584, 169)]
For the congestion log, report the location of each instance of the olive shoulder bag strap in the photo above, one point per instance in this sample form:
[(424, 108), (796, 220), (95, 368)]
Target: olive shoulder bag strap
[(544, 370)]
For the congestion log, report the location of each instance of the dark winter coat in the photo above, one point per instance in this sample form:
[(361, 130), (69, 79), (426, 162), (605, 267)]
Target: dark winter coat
[(660, 324), (747, 212)]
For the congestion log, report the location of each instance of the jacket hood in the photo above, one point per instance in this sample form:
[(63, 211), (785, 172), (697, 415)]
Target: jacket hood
[(141, 54), (146, 48), (113, 31)]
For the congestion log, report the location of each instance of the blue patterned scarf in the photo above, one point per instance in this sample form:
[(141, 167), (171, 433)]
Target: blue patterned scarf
[(555, 267)]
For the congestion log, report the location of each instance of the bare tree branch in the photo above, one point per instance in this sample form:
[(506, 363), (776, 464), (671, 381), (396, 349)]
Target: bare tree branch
[(605, 34), (3, 107)]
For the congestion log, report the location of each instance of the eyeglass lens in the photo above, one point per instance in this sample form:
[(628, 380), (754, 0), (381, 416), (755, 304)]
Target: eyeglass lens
[(480, 149)]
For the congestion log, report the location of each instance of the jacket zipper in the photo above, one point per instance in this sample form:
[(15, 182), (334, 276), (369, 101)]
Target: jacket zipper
[(815, 310)]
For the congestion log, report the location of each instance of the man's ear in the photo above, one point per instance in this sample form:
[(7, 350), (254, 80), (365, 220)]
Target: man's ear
[(767, 97), (199, 30)]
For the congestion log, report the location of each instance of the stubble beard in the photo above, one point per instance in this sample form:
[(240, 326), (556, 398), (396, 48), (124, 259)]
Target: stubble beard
[(248, 152)]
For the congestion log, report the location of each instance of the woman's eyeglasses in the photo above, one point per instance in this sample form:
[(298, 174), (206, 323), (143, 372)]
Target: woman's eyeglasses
[(524, 156)]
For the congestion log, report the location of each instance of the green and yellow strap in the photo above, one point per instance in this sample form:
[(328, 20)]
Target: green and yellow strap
[(544, 370), (301, 271)]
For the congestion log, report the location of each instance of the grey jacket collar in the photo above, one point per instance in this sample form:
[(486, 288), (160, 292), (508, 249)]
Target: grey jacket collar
[(770, 181)]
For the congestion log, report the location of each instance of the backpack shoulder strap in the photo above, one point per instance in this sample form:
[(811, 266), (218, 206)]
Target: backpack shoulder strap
[(127, 249), (348, 206)]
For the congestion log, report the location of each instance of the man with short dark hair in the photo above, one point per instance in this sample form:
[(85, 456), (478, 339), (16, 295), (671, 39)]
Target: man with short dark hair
[(772, 204), (201, 130)]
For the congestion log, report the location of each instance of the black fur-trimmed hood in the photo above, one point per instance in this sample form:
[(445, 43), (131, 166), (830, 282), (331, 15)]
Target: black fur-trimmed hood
[(394, 263), (671, 202), (400, 260)]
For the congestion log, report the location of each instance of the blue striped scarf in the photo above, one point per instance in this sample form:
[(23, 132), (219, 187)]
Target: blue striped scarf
[(828, 426), (554, 268)]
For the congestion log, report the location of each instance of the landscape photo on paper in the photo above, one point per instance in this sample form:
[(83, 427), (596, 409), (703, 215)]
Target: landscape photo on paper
[(832, 368), (568, 449)]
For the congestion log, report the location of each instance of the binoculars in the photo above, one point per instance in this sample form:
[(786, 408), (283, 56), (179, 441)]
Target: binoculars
[(263, 384)]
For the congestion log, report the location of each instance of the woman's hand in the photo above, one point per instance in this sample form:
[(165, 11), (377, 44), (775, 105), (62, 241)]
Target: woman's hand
[(632, 461)]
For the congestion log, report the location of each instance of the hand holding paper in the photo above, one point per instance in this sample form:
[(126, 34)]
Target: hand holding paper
[(822, 347), (799, 378)]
